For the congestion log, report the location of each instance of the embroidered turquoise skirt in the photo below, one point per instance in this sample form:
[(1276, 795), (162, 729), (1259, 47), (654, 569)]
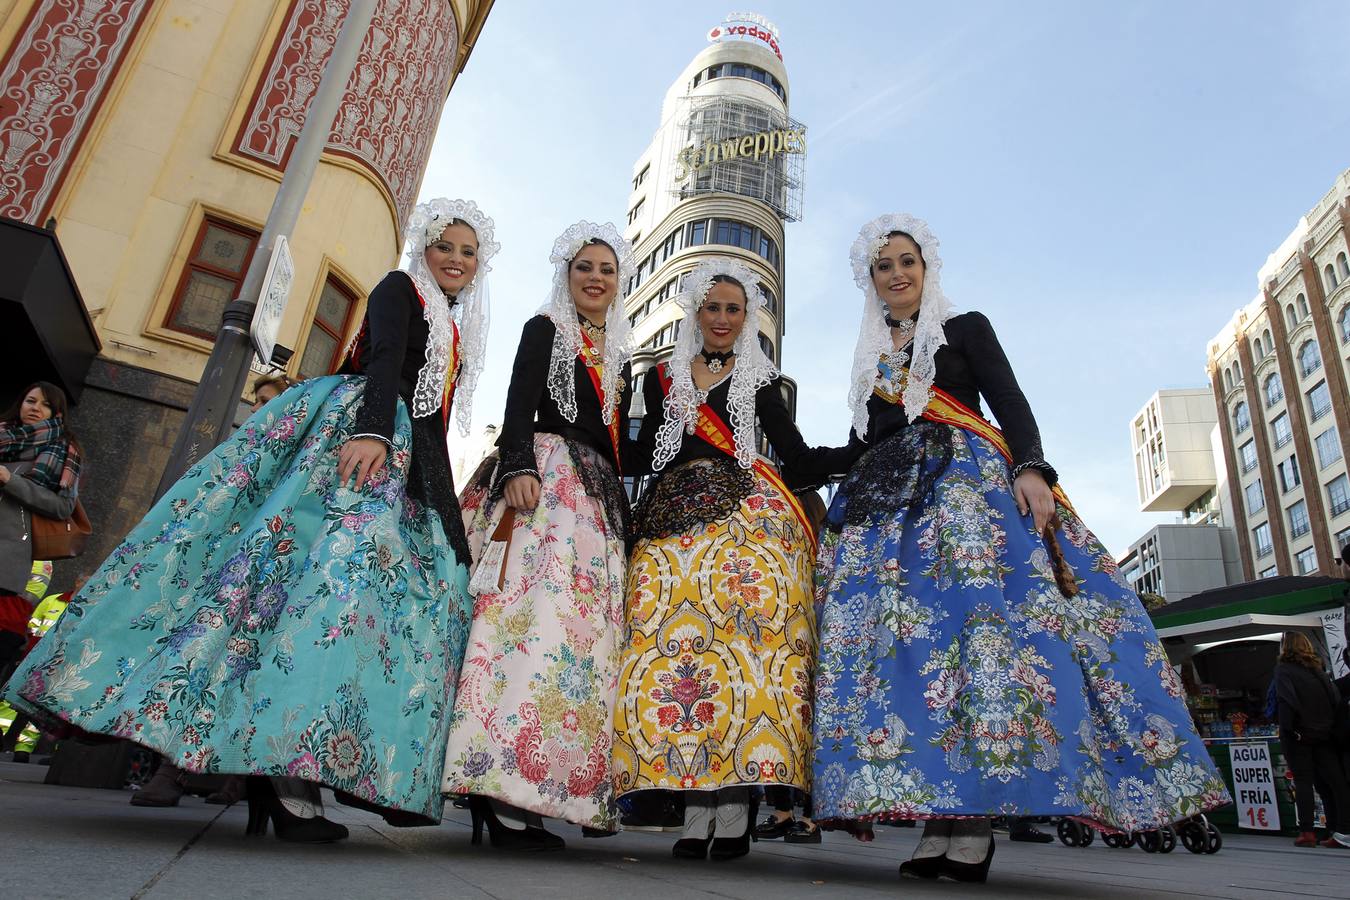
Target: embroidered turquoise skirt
[(263, 619)]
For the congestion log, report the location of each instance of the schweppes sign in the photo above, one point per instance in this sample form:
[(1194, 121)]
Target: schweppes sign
[(746, 148)]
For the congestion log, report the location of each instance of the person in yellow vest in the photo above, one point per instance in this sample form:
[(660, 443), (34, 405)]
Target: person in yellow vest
[(43, 617), (715, 689)]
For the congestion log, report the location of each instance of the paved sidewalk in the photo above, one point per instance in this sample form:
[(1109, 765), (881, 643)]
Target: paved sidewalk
[(64, 842)]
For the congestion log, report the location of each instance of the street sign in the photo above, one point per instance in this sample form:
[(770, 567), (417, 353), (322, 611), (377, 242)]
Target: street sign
[(1254, 786), (272, 303)]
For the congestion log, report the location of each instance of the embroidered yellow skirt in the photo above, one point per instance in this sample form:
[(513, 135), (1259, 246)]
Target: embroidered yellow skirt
[(715, 684)]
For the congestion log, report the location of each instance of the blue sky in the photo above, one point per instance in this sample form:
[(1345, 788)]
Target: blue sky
[(1105, 179)]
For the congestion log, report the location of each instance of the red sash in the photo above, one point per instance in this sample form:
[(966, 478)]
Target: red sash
[(596, 372), (947, 410), (712, 429)]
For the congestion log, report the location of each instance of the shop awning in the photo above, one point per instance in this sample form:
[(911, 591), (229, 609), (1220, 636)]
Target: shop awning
[(48, 333), (1241, 626), (1281, 596)]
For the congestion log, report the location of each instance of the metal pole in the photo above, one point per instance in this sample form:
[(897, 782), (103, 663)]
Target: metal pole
[(213, 406)]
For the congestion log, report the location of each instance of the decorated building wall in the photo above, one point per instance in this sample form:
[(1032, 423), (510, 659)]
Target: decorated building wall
[(152, 136)]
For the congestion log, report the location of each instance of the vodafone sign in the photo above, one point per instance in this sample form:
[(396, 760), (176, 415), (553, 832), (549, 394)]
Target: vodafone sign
[(746, 27)]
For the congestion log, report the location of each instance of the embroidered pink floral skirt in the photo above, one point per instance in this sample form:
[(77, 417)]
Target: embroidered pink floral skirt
[(533, 720)]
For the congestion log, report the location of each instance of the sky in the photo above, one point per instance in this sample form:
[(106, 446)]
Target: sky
[(1105, 180)]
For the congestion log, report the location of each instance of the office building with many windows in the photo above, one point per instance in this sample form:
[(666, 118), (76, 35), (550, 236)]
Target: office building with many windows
[(721, 176), (1278, 374)]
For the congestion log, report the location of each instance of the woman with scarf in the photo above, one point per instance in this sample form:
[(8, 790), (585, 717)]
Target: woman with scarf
[(546, 517), (980, 654), (39, 474), (715, 691), (296, 604)]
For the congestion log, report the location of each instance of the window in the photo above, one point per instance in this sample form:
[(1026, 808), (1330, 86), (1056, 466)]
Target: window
[(1258, 349), (1270, 342), (1328, 448), (1228, 379), (741, 70), (1309, 360), (1256, 497), (332, 318), (770, 299), (641, 177), (767, 346), (1261, 535), (1289, 477), (1338, 494), (1290, 317), (1242, 419), (1274, 390), (1345, 324), (636, 210), (1303, 311), (1270, 572), (1298, 520), (1319, 401), (1283, 433), (211, 278), (1305, 561), (1344, 265), (1330, 274), (1341, 540), (1247, 452), (698, 234)]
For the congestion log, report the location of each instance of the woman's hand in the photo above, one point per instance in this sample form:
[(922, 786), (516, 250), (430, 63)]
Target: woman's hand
[(4, 475), (362, 457), (522, 492), (1034, 495)]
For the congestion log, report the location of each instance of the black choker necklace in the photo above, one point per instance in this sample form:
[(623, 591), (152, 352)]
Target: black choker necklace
[(715, 361), (892, 322), (593, 331)]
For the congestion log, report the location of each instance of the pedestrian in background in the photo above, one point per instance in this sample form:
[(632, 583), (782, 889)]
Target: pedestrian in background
[(1313, 730), (40, 461)]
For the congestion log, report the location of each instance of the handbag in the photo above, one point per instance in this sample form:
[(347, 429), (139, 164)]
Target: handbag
[(60, 538)]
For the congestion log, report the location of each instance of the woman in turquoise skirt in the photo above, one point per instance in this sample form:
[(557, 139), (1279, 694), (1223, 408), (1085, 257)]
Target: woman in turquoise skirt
[(296, 605)]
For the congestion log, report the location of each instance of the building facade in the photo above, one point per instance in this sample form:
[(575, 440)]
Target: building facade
[(1176, 561), (1278, 372), (721, 176), (151, 135)]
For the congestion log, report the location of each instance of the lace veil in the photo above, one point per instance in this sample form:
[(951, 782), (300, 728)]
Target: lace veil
[(425, 227), (874, 337), (563, 311), (753, 369)]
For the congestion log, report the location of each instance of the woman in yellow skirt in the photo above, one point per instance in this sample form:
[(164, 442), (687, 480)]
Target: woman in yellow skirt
[(715, 685)]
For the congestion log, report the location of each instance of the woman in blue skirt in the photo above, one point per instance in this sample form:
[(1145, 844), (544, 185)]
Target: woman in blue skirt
[(296, 605), (980, 654)]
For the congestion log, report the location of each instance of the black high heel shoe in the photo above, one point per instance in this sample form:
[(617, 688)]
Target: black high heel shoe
[(731, 848), (531, 837), (971, 873), (264, 804)]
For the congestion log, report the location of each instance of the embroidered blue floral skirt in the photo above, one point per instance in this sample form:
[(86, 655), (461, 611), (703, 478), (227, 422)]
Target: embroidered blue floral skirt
[(262, 619), (956, 679)]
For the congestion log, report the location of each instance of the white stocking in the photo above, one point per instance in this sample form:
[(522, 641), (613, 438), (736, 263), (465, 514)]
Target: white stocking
[(700, 814), (733, 812), (510, 816), (301, 798), (936, 836), (970, 840)]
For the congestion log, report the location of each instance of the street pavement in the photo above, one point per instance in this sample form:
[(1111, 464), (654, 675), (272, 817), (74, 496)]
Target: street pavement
[(61, 842)]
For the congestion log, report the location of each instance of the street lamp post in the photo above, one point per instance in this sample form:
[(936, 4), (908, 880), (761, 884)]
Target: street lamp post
[(213, 406)]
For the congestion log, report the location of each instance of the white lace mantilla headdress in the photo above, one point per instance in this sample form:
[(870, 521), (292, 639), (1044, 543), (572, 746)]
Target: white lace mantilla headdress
[(874, 337), (425, 227), (563, 311), (753, 368)]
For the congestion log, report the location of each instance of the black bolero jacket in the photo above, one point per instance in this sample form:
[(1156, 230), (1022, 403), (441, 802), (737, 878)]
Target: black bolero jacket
[(390, 350), (803, 466), (972, 363), (530, 407)]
